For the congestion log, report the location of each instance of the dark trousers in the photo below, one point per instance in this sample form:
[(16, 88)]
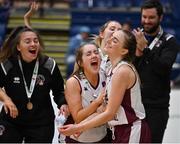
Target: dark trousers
[(157, 120), (11, 133)]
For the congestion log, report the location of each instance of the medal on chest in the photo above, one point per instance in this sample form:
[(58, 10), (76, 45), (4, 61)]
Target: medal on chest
[(29, 105), (29, 91)]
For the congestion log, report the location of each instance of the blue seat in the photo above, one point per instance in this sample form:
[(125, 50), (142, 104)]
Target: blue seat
[(79, 4), (175, 8), (166, 3), (137, 3), (103, 3), (122, 3)]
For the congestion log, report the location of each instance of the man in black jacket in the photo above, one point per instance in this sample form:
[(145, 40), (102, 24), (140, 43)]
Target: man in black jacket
[(156, 53)]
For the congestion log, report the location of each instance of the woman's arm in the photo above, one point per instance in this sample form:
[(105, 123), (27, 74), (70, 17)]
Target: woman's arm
[(29, 14), (74, 100), (9, 106), (121, 80)]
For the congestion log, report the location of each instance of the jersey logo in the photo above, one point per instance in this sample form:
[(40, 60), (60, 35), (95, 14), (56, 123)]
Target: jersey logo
[(16, 80), (85, 88), (159, 43), (2, 129), (40, 80)]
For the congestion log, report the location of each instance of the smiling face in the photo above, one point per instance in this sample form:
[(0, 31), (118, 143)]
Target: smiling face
[(150, 20), (90, 59), (115, 45), (108, 30), (28, 46)]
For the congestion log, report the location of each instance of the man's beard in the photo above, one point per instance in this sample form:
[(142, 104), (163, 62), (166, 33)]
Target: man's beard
[(152, 30)]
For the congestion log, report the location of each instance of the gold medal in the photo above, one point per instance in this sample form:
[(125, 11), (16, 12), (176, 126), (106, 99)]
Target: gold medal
[(29, 106)]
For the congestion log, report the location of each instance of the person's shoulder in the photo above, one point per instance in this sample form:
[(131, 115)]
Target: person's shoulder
[(72, 81), (7, 65), (44, 58), (168, 36), (124, 70), (48, 63)]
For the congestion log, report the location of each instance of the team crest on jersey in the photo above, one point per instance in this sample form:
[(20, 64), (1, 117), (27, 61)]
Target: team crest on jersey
[(159, 43), (16, 80), (103, 83), (2, 128), (85, 88), (40, 80)]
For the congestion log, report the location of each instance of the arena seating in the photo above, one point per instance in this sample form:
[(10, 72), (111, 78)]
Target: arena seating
[(120, 10), (62, 20)]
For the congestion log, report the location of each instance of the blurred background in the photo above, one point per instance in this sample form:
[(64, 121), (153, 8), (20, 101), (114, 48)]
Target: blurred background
[(58, 21)]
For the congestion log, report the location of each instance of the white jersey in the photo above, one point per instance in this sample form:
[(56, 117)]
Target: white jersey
[(131, 108), (90, 93), (105, 63)]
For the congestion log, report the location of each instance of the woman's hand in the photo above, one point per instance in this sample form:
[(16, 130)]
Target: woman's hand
[(10, 108), (101, 109), (100, 98), (33, 8), (68, 130), (64, 110)]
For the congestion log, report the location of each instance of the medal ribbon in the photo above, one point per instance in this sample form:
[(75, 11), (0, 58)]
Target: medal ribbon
[(33, 79), (156, 39)]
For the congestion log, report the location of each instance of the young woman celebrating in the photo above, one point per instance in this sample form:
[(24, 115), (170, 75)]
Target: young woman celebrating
[(124, 111), (82, 92), (26, 79)]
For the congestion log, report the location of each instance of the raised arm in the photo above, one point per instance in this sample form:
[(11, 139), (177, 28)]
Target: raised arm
[(29, 14)]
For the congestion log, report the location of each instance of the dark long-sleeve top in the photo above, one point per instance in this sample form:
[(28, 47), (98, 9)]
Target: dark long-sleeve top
[(42, 112), (154, 68)]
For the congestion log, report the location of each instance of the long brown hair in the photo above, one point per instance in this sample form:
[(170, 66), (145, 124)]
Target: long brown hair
[(9, 47), (130, 44)]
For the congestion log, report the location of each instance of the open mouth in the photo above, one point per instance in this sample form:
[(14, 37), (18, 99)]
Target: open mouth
[(94, 63), (32, 51)]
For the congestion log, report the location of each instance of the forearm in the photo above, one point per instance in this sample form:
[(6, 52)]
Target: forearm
[(33, 8), (139, 52), (86, 112), (97, 120), (3, 96), (27, 21)]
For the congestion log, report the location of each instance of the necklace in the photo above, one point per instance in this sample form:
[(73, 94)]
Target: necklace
[(32, 84), (156, 39)]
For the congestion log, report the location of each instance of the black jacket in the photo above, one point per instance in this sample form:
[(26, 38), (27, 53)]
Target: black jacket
[(42, 112), (154, 68)]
